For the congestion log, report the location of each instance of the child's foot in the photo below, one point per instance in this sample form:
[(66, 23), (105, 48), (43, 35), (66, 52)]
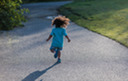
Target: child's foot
[(56, 54), (59, 60)]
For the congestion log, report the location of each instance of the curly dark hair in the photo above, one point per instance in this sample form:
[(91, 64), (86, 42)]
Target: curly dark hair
[(60, 21)]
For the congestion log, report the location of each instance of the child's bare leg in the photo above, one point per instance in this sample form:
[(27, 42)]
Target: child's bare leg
[(59, 54)]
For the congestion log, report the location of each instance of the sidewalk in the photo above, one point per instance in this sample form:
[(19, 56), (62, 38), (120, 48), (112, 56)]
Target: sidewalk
[(25, 55)]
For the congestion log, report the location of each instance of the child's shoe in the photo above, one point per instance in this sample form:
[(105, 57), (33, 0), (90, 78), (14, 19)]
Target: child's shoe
[(59, 60)]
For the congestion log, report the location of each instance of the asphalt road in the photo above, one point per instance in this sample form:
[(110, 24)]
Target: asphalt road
[(25, 55)]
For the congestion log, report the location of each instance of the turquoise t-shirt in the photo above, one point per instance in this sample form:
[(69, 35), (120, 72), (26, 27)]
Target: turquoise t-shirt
[(58, 34)]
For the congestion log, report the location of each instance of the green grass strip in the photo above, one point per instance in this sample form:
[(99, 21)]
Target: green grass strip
[(106, 17)]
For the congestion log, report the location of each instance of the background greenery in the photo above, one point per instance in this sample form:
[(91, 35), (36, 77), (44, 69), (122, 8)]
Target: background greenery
[(107, 17), (11, 15)]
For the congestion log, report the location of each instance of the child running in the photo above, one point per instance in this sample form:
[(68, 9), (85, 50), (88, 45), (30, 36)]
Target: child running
[(57, 33)]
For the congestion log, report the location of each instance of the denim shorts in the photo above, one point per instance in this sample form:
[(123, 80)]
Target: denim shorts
[(56, 48)]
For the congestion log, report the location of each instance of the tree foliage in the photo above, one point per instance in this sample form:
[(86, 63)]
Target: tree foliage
[(11, 14)]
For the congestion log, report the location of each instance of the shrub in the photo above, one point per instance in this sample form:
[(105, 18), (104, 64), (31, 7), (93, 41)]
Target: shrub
[(11, 14)]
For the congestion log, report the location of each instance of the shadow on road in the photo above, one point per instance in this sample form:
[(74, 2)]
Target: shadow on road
[(35, 75)]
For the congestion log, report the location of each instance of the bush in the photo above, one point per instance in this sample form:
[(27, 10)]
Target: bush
[(11, 14)]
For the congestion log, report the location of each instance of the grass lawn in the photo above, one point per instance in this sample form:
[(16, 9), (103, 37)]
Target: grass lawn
[(107, 17)]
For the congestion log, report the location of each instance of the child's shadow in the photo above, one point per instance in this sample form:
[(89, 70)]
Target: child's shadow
[(33, 76)]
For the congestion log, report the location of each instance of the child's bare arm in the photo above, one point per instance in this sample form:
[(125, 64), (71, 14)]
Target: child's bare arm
[(68, 38), (50, 36)]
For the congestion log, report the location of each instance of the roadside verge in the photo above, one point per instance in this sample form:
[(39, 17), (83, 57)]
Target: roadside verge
[(108, 18)]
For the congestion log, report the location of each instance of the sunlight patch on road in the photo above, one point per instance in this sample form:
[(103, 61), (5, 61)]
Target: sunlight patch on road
[(50, 17)]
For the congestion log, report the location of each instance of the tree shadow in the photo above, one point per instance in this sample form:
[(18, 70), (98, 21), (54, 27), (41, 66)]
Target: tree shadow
[(33, 76)]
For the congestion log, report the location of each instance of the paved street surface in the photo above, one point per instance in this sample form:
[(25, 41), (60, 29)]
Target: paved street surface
[(25, 55)]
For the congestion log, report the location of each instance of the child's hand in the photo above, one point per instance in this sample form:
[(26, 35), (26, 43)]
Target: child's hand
[(69, 40), (47, 40), (50, 36)]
